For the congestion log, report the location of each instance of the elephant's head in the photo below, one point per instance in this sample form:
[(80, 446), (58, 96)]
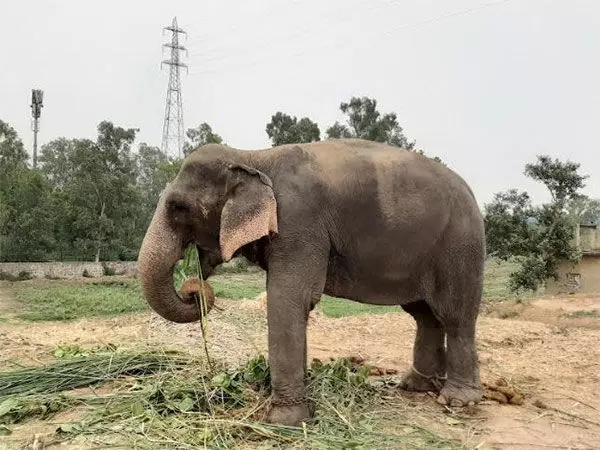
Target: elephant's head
[(217, 201)]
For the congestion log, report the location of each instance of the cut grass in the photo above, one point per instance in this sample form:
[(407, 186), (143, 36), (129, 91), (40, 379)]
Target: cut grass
[(183, 406)]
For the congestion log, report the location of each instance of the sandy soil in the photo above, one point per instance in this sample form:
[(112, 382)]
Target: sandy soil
[(551, 356)]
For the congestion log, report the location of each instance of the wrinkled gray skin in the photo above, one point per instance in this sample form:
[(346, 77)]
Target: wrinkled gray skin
[(348, 218)]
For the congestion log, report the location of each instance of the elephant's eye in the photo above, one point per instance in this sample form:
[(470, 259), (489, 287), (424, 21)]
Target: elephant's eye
[(179, 209), (176, 206)]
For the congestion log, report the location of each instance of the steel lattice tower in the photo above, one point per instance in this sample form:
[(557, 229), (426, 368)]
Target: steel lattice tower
[(173, 131)]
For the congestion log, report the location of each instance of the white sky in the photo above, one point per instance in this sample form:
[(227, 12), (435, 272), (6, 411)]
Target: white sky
[(485, 85)]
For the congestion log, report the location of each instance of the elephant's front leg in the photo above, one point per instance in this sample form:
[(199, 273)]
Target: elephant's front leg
[(293, 285)]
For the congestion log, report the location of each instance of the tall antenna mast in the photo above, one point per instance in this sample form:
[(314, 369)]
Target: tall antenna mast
[(37, 103), (173, 132)]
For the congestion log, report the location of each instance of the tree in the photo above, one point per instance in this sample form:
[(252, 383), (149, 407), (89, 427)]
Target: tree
[(285, 129), (29, 217), (199, 136), (338, 131), (12, 152), (584, 210), (26, 210), (508, 224), (13, 159), (95, 184), (539, 237), (561, 179), (154, 171), (148, 160), (364, 121)]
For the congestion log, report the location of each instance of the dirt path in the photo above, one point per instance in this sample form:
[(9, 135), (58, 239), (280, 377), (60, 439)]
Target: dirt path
[(553, 358)]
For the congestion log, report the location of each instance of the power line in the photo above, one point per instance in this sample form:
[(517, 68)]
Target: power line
[(173, 131), (345, 45), (303, 33)]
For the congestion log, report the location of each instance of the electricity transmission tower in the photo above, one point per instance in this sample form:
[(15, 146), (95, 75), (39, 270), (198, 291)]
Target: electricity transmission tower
[(173, 132)]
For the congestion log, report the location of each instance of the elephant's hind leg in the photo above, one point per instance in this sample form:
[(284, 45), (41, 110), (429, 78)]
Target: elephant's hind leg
[(429, 353), (458, 315), (463, 386)]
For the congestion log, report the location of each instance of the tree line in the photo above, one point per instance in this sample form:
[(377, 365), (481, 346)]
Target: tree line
[(93, 199)]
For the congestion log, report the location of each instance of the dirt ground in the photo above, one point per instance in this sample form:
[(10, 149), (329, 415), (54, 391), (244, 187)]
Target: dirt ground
[(538, 346)]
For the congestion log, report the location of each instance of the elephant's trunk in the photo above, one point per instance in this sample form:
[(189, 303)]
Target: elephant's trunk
[(160, 251)]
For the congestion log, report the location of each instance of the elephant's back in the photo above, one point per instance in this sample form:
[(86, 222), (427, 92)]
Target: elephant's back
[(347, 162)]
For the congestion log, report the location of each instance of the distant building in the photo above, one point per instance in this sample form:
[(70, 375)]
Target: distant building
[(584, 276)]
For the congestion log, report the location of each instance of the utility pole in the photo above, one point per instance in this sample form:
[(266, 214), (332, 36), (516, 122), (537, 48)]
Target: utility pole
[(37, 103), (173, 131)]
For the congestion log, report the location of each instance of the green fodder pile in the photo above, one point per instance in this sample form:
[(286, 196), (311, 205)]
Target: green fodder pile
[(170, 400)]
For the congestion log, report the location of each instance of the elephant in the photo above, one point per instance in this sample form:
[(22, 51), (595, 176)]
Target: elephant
[(350, 218)]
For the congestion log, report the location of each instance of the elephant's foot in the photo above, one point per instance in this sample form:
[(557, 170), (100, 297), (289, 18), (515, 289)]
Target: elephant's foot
[(289, 415), (418, 382), (454, 394)]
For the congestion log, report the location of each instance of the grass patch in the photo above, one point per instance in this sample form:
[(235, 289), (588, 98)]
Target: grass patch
[(508, 314), (66, 300), (178, 404), (495, 281), (337, 307), (236, 289), (63, 300), (589, 313)]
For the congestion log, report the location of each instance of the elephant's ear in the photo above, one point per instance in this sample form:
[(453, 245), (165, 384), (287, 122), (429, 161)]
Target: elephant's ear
[(249, 213)]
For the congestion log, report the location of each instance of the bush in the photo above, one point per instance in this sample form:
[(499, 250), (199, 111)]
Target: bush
[(5, 276), (108, 271), (22, 276), (51, 277)]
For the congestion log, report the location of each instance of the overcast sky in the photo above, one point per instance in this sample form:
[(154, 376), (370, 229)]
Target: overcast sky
[(485, 85)]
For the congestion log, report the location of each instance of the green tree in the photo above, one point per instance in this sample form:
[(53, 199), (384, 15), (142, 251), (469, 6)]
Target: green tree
[(364, 121), (539, 237), (26, 210), (13, 158), (29, 218), (95, 184), (338, 131), (155, 170), (199, 136), (285, 129), (584, 210), (12, 151)]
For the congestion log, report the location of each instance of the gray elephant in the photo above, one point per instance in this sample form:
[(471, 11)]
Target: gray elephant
[(349, 218)]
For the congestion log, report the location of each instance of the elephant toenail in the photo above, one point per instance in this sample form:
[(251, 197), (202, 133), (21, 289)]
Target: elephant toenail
[(455, 402)]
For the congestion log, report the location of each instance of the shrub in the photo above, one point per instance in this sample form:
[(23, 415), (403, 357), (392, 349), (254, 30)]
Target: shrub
[(51, 277), (22, 276), (108, 271)]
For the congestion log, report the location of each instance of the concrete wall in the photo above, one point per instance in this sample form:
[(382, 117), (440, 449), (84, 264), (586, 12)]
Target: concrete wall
[(583, 277), (73, 269)]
